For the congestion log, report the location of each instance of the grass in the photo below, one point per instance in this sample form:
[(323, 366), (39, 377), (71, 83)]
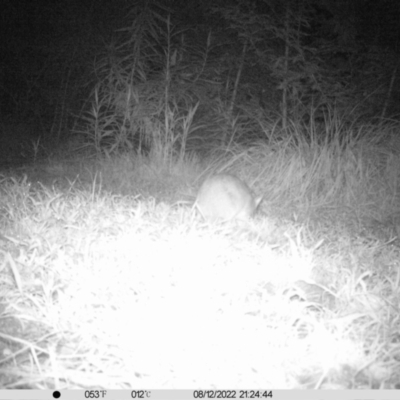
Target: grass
[(110, 280)]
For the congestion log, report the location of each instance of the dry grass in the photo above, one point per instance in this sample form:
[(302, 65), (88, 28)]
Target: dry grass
[(108, 282)]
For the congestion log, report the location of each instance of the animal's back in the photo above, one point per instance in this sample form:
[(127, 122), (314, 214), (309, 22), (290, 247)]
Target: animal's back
[(226, 197)]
